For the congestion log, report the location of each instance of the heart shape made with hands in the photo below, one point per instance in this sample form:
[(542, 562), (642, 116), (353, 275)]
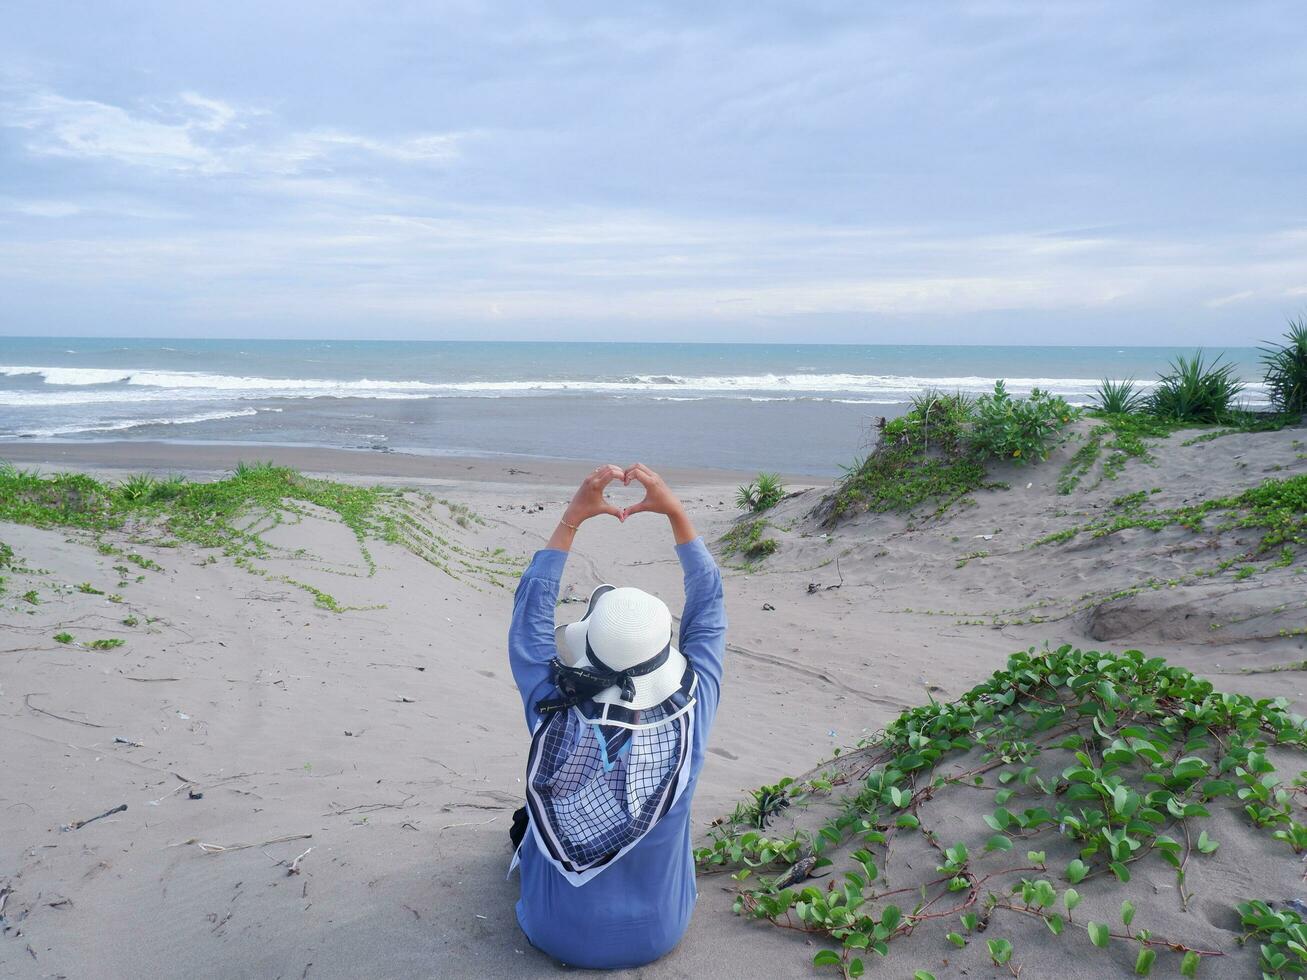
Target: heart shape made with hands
[(625, 493), (623, 489)]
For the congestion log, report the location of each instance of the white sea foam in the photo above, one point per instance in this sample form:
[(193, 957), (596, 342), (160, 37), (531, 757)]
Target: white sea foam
[(96, 385), (64, 430)]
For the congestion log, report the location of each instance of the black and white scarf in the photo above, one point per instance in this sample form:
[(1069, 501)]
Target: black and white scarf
[(601, 776)]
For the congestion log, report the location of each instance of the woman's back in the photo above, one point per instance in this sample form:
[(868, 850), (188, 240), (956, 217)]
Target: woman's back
[(635, 907)]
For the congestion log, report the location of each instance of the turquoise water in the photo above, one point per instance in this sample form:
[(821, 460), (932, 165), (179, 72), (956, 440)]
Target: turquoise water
[(797, 408)]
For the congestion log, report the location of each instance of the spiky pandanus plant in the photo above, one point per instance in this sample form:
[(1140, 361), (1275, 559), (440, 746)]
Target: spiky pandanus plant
[(1120, 397), (1194, 390), (1285, 365)]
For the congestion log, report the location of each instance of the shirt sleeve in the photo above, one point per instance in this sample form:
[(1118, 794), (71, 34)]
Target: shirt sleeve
[(703, 623), (531, 635)]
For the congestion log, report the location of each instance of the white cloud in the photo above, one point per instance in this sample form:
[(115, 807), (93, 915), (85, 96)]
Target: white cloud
[(524, 264), (292, 154), (81, 128), (1238, 297), (36, 208), (195, 134)]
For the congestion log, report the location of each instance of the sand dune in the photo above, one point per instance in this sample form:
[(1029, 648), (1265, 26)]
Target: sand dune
[(377, 753)]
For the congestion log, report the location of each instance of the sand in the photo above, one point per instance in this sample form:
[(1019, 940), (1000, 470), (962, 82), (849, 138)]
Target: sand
[(383, 747)]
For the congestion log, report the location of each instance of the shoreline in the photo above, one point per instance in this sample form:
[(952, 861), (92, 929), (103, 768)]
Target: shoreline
[(162, 458)]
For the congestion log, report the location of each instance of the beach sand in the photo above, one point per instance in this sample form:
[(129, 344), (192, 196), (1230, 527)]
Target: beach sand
[(384, 746)]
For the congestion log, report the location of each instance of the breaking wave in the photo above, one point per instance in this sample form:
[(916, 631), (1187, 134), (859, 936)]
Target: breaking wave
[(78, 385)]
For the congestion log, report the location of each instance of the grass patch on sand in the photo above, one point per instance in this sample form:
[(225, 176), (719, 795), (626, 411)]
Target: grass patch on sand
[(746, 541), (233, 515), (1094, 766), (1278, 508), (939, 450), (1120, 438), (1110, 444)]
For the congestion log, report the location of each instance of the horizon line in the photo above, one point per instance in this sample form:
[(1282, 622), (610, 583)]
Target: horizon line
[(641, 343)]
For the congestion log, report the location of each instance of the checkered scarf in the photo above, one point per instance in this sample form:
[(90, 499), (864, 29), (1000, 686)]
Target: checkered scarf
[(600, 777)]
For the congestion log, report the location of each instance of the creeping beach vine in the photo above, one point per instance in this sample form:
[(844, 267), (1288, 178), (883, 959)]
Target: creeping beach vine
[(1095, 762)]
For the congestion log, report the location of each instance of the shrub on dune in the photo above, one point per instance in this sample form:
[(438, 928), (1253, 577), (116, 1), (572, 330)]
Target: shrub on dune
[(938, 450), (1195, 390), (1023, 429), (1286, 369), (1119, 397), (761, 494)]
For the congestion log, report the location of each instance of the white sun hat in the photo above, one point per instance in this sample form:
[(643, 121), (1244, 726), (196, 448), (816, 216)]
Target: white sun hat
[(624, 628)]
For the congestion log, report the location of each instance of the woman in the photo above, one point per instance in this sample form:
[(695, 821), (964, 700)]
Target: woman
[(619, 716)]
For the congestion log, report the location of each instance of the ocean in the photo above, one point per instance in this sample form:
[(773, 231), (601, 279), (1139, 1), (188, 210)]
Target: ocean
[(794, 408)]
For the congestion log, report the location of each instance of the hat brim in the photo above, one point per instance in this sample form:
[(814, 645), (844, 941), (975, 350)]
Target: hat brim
[(565, 650)]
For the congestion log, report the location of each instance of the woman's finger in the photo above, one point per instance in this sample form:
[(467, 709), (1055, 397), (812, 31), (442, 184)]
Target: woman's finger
[(639, 508), (603, 476), (639, 471)]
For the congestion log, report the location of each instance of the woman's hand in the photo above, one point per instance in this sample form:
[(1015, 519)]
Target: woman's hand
[(589, 501), (658, 496)]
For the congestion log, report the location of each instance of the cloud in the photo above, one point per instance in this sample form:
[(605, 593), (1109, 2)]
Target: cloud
[(84, 129), (1238, 297), (42, 208), (292, 154), (195, 134), (518, 265), (1087, 166)]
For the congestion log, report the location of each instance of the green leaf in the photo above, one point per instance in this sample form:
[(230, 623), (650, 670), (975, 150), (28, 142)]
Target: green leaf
[(1098, 934), (1000, 950), (855, 967), (827, 957), (923, 975), (1144, 963), (1054, 923), (1127, 912), (1071, 898), (1076, 871), (1121, 871), (1189, 965), (1206, 844), (998, 842), (956, 940)]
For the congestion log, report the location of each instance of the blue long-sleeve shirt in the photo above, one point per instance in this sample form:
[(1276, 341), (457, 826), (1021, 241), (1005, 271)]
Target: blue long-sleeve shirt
[(638, 909)]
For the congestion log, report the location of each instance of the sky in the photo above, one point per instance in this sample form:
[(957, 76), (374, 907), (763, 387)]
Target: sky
[(971, 172)]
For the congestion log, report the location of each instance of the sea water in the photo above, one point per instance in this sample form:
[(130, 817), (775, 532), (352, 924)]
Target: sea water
[(796, 408)]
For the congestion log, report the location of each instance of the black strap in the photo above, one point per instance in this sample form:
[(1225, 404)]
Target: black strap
[(623, 677), (578, 684)]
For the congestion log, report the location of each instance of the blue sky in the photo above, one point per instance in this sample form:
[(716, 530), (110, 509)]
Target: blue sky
[(980, 172)]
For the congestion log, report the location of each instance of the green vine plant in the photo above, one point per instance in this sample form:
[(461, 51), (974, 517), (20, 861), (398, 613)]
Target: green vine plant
[(1095, 762)]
